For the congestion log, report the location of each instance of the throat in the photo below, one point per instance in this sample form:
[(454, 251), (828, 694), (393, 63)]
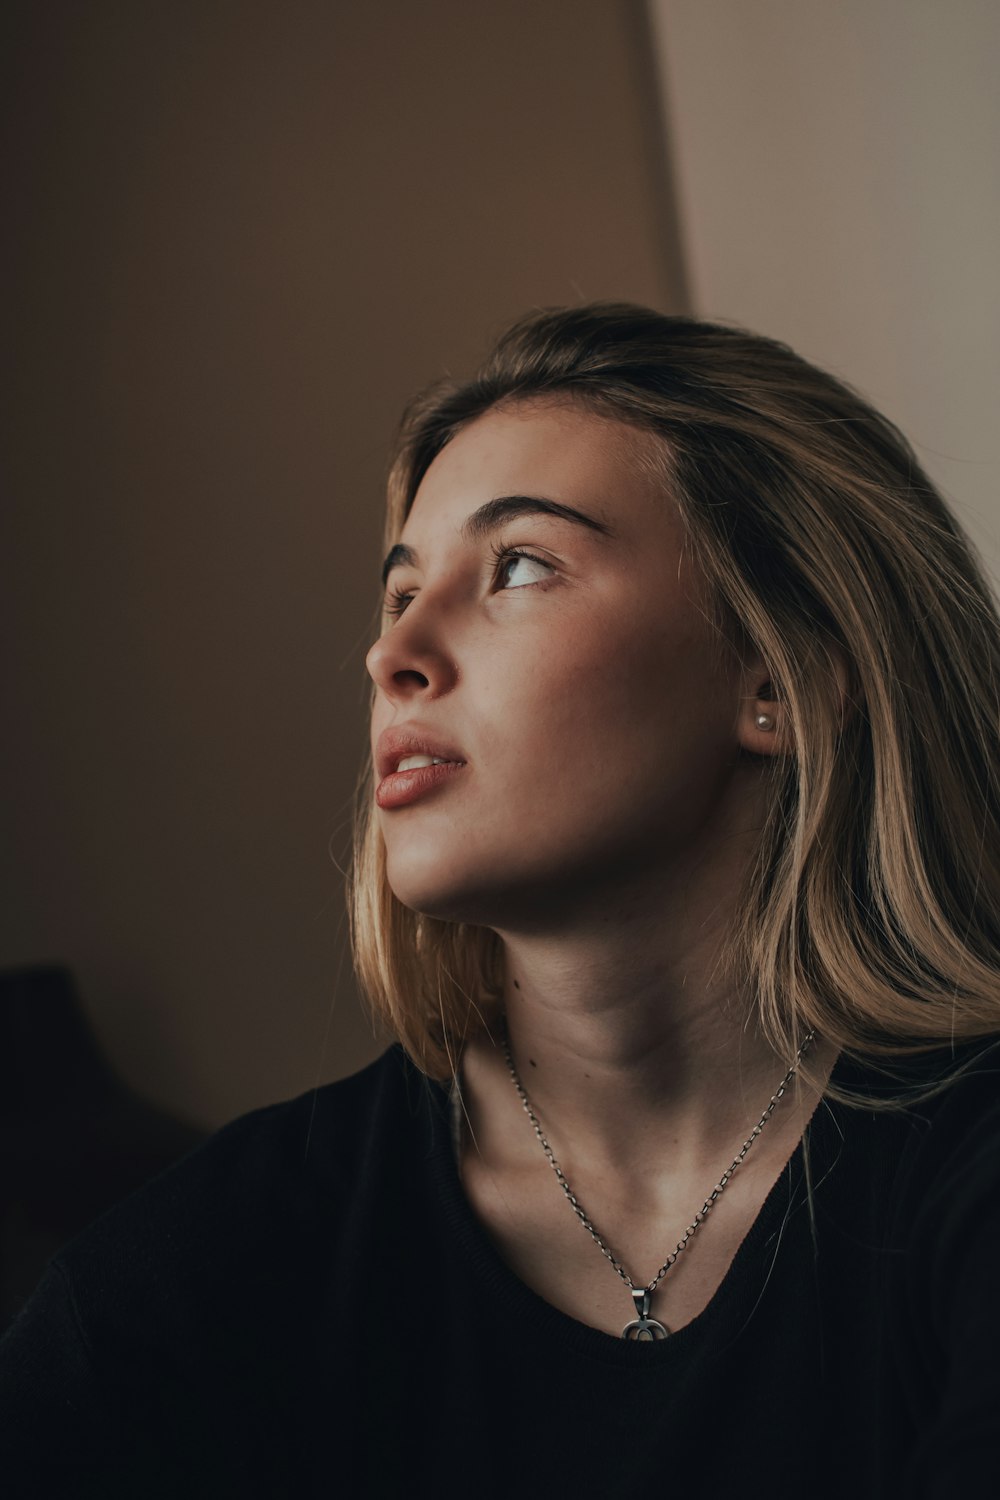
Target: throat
[(531, 1227), (585, 1237)]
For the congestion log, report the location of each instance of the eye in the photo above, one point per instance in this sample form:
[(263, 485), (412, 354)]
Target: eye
[(513, 569), (396, 602), (517, 569)]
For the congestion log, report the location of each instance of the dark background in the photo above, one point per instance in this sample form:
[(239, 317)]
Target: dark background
[(236, 237)]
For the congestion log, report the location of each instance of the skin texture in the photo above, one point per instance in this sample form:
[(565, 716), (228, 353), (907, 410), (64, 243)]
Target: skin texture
[(601, 825), (588, 696)]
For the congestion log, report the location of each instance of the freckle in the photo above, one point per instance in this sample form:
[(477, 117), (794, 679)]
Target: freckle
[(516, 985), (532, 1062)]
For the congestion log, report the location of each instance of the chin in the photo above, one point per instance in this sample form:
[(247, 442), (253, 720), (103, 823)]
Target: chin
[(432, 894), (443, 879), (492, 894)]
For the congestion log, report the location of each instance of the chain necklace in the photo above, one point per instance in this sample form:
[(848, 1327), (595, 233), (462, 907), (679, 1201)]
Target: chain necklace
[(644, 1328)]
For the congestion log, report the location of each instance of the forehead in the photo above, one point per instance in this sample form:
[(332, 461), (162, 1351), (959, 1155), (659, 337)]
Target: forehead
[(556, 449)]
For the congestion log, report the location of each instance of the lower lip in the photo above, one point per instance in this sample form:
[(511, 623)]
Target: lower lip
[(403, 787)]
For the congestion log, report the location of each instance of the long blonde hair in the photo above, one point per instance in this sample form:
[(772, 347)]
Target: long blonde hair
[(872, 910)]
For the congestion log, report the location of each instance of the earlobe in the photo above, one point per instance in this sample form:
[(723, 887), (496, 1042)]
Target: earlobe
[(764, 726), (763, 730)]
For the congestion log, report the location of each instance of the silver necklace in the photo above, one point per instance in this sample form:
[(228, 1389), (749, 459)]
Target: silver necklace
[(643, 1328)]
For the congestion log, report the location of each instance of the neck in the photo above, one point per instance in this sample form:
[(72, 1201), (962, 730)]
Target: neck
[(647, 1071), (630, 1044)]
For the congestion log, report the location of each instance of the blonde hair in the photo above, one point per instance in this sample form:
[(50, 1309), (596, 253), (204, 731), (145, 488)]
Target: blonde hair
[(872, 910)]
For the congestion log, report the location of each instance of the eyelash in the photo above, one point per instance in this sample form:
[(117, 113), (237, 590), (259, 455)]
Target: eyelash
[(396, 601)]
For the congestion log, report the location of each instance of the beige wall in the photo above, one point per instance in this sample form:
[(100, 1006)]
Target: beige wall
[(239, 234), (836, 163)]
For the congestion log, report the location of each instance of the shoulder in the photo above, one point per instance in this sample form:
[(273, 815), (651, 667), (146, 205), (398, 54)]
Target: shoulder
[(951, 1173), (940, 1093), (252, 1195), (938, 1301), (191, 1303), (933, 1159)]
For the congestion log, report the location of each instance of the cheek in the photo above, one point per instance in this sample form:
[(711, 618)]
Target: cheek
[(595, 693), (645, 724)]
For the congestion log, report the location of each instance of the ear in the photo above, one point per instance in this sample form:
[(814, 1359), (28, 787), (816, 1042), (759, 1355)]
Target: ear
[(762, 723), (762, 726)]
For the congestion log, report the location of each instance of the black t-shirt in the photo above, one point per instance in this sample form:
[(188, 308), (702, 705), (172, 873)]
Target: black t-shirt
[(306, 1306)]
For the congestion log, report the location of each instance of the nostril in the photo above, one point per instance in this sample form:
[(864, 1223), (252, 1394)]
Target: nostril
[(407, 677)]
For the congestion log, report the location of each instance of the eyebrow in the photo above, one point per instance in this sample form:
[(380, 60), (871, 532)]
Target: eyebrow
[(494, 514)]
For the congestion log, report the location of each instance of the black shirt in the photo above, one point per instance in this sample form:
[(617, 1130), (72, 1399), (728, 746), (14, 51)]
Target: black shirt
[(306, 1306)]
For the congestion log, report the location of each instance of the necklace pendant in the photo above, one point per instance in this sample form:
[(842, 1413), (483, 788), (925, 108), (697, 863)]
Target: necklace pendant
[(643, 1329)]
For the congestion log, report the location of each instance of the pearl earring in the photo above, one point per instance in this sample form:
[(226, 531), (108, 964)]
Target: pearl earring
[(764, 721)]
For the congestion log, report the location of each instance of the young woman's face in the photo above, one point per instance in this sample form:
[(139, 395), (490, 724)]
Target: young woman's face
[(564, 668)]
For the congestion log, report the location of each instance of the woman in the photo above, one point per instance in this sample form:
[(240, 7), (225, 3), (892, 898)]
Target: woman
[(678, 879)]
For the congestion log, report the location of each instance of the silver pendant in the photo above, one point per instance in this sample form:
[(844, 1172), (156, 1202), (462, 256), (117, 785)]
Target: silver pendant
[(643, 1329)]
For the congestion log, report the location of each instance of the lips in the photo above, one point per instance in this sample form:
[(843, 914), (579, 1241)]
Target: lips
[(398, 788), (395, 745)]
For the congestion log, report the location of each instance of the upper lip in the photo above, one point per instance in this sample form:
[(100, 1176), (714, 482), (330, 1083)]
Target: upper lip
[(395, 745)]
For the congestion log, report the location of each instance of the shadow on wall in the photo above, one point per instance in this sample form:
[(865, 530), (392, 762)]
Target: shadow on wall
[(73, 1138)]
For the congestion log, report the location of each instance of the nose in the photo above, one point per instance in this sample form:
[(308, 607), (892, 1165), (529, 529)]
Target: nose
[(408, 661)]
